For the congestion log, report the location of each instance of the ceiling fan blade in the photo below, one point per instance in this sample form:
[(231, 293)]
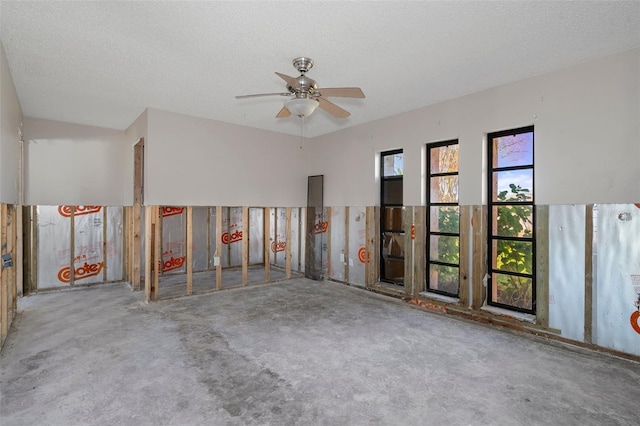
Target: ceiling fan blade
[(342, 92), (290, 80), (262, 94), (284, 112), (332, 108)]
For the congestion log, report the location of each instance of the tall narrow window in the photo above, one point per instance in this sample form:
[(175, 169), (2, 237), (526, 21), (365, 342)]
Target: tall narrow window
[(511, 245), (443, 219), (391, 218)]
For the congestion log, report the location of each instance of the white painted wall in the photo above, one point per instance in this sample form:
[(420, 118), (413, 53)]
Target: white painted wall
[(137, 130), (195, 161), (10, 123), (587, 138), (73, 164)]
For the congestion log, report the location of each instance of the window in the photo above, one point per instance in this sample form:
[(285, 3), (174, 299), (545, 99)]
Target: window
[(391, 218), (443, 219), (511, 218)]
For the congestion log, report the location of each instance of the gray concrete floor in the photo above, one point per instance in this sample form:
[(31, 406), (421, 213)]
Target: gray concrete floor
[(295, 352)]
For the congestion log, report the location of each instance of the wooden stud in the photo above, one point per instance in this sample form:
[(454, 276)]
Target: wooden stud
[(189, 250), (11, 249), (34, 249), (245, 245), (346, 244), (208, 238), (19, 250), (327, 235), (370, 238), (287, 258), (219, 247), (300, 239), (157, 251), (408, 251), (153, 253), (465, 255), (588, 274), (4, 277), (137, 245), (542, 265), (267, 244), (105, 264), (126, 261), (27, 248), (419, 259), (72, 247), (479, 218), (148, 249)]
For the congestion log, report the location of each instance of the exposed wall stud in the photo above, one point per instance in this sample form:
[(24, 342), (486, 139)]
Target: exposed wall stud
[(245, 245), (189, 250), (588, 274)]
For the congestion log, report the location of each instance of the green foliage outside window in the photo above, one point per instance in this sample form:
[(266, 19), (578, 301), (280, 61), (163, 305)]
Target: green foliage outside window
[(514, 256)]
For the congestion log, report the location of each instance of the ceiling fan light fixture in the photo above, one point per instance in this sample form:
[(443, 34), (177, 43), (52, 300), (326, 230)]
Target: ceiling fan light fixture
[(301, 107)]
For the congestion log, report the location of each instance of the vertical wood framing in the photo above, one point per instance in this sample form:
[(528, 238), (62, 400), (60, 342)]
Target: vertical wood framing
[(72, 249), (11, 249), (275, 237), (208, 238), (371, 266), (4, 276), (136, 246), (126, 249), (218, 253), (588, 274), (148, 248), (33, 285), (189, 250), (542, 265), (465, 255), (105, 264), (298, 266), (152, 252), (287, 259), (328, 237), (267, 243), (245, 245), (419, 261), (479, 224), (19, 253), (347, 260), (408, 250), (27, 248)]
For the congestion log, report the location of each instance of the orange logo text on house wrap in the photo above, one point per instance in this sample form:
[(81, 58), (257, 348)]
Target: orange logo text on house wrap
[(635, 321), (171, 263), (171, 211), (65, 211), (81, 272), (363, 255), (320, 227), (278, 246), (231, 238)]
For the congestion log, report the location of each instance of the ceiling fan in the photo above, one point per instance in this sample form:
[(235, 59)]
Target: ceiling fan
[(306, 96)]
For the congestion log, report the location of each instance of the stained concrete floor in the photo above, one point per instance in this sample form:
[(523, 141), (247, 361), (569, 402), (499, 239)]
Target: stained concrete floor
[(297, 352)]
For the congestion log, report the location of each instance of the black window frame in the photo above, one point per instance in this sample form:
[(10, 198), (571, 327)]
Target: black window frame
[(429, 232), (383, 214), (490, 217)]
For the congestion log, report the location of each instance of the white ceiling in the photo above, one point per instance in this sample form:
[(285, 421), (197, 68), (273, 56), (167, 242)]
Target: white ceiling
[(102, 63)]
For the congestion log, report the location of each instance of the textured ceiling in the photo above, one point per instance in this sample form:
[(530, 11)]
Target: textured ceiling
[(103, 63)]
